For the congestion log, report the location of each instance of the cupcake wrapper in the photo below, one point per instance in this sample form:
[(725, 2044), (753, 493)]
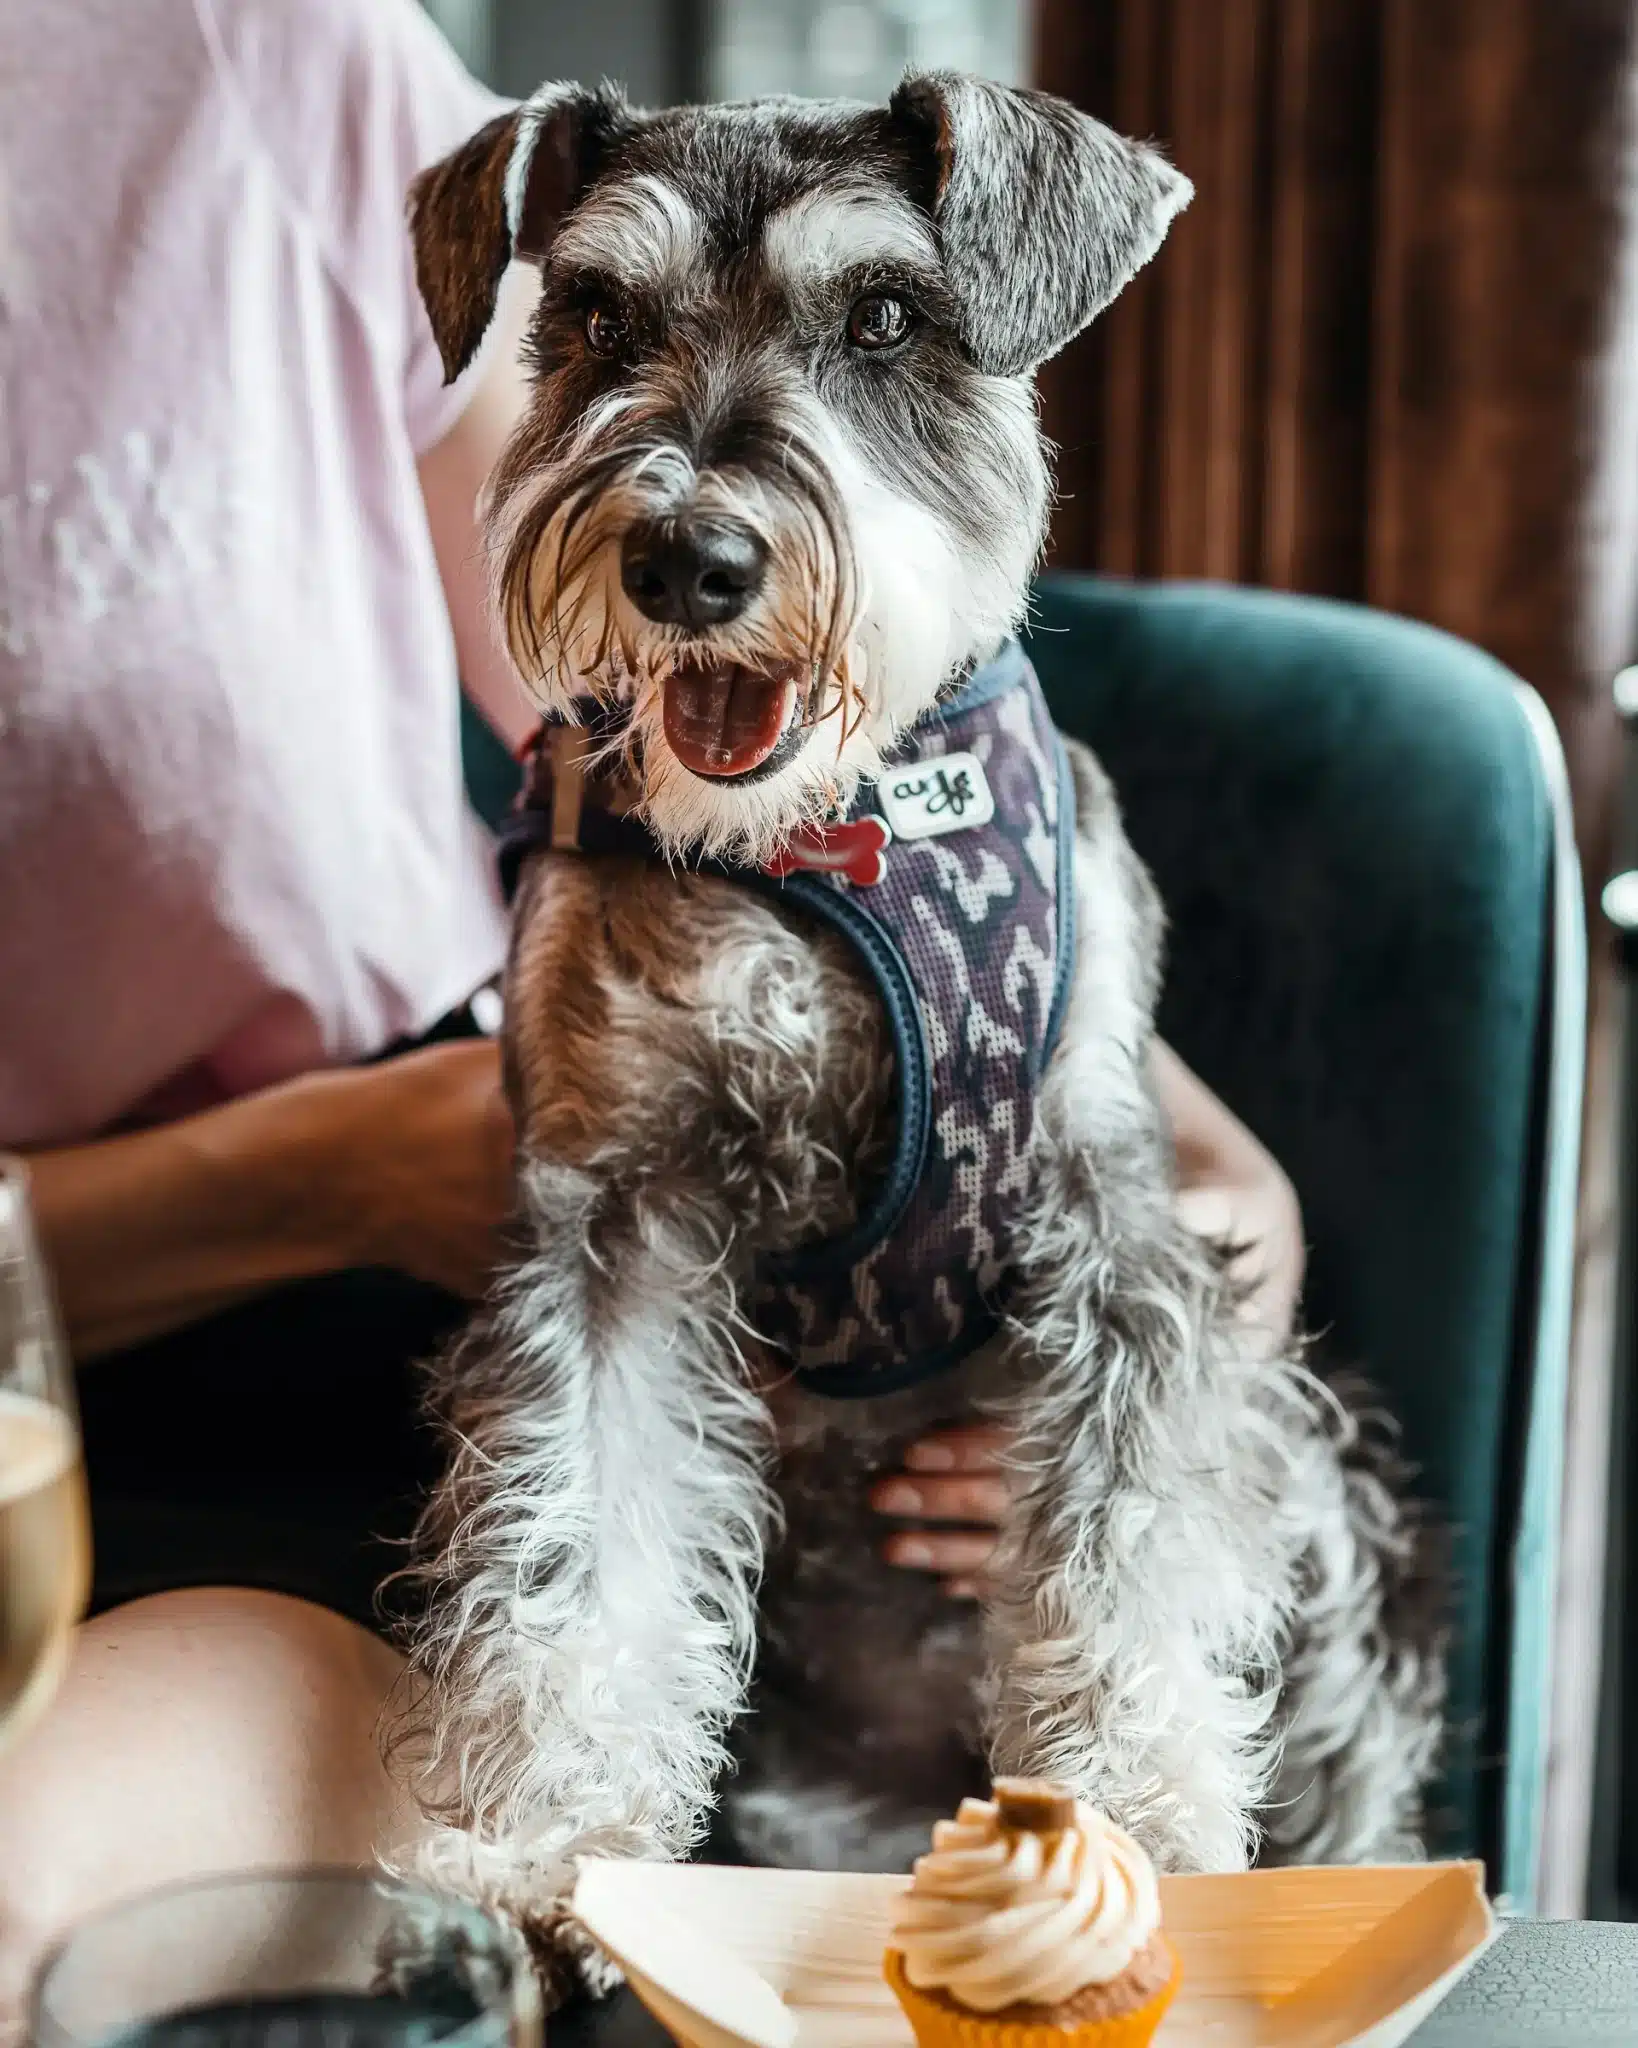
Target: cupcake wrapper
[(936, 2026)]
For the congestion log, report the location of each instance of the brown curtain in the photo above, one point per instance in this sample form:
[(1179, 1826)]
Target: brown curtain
[(1391, 351)]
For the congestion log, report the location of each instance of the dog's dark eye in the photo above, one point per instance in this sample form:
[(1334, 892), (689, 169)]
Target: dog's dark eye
[(878, 321), (607, 329)]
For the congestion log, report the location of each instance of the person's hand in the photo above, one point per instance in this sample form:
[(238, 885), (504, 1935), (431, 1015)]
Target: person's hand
[(420, 1164), (405, 1164), (1231, 1189), (1259, 1215), (957, 1477)]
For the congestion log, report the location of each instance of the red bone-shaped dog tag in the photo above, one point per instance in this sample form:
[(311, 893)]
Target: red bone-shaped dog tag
[(857, 850)]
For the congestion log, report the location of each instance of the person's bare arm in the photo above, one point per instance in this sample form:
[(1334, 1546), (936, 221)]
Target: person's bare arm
[(406, 1164), (452, 476), (1229, 1187)]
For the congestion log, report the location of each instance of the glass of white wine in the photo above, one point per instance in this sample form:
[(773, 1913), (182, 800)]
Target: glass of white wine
[(45, 1531)]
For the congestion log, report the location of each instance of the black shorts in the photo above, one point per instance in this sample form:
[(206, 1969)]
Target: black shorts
[(278, 1445)]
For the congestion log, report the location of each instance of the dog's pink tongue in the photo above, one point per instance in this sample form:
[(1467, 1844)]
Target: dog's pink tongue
[(726, 720)]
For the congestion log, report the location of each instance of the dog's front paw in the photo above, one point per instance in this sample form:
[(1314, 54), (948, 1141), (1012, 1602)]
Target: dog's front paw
[(568, 1962)]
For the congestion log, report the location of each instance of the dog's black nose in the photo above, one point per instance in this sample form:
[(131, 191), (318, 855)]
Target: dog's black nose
[(692, 572)]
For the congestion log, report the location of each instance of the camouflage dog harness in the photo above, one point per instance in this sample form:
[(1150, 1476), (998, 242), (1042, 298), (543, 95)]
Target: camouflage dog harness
[(951, 879)]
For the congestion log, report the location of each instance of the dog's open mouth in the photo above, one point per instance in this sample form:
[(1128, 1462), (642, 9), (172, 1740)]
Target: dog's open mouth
[(724, 719)]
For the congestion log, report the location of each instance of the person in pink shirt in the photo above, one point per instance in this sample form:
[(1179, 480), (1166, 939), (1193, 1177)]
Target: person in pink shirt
[(247, 916), (239, 577)]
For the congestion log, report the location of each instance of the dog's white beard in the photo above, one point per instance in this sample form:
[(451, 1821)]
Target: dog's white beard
[(928, 609)]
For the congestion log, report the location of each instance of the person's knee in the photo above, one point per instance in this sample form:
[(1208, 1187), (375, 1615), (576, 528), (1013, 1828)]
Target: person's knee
[(194, 1733), (209, 1722)]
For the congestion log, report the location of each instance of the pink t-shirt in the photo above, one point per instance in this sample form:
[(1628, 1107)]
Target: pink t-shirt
[(233, 837)]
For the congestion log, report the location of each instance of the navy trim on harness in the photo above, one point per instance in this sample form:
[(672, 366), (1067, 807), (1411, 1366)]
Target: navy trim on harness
[(1064, 979), (846, 1383), (841, 1254), (847, 916), (991, 679), (526, 831)]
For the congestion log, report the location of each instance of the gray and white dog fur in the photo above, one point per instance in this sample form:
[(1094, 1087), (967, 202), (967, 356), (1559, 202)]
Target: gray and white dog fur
[(650, 1590)]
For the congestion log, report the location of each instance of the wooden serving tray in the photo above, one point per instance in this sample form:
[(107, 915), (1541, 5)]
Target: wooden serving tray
[(1321, 1958)]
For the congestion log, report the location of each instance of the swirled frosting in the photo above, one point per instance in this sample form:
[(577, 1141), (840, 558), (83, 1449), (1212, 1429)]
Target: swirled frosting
[(1002, 1913)]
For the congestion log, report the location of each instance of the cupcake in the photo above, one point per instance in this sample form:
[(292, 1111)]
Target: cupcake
[(1034, 1923)]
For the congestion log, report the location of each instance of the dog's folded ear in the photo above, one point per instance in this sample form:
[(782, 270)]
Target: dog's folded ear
[(501, 195), (1043, 214)]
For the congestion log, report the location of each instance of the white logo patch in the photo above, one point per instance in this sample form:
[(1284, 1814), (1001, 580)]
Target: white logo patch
[(946, 793)]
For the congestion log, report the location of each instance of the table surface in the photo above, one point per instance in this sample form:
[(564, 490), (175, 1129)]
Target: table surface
[(1545, 1984)]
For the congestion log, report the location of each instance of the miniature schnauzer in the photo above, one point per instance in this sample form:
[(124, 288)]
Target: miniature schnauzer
[(828, 1020)]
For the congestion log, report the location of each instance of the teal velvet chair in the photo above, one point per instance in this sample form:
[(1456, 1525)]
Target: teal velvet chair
[(1361, 833)]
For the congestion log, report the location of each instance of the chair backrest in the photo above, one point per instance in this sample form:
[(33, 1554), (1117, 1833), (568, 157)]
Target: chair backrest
[(1360, 832), (1360, 829), (492, 776)]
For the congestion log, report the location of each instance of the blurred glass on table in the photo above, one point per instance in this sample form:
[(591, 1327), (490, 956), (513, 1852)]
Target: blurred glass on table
[(45, 1529), (288, 1959)]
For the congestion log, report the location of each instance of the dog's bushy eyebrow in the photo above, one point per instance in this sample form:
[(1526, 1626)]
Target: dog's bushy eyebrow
[(828, 230), (636, 230)]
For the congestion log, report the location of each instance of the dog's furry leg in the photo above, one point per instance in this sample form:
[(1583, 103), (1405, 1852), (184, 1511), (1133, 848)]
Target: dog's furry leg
[(1150, 1573), (1152, 1576), (591, 1561), (1363, 1692), (1219, 1621)]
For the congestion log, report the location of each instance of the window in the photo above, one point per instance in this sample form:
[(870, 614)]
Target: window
[(856, 49), (734, 49)]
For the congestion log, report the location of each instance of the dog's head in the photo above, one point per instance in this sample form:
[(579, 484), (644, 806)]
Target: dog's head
[(781, 476)]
